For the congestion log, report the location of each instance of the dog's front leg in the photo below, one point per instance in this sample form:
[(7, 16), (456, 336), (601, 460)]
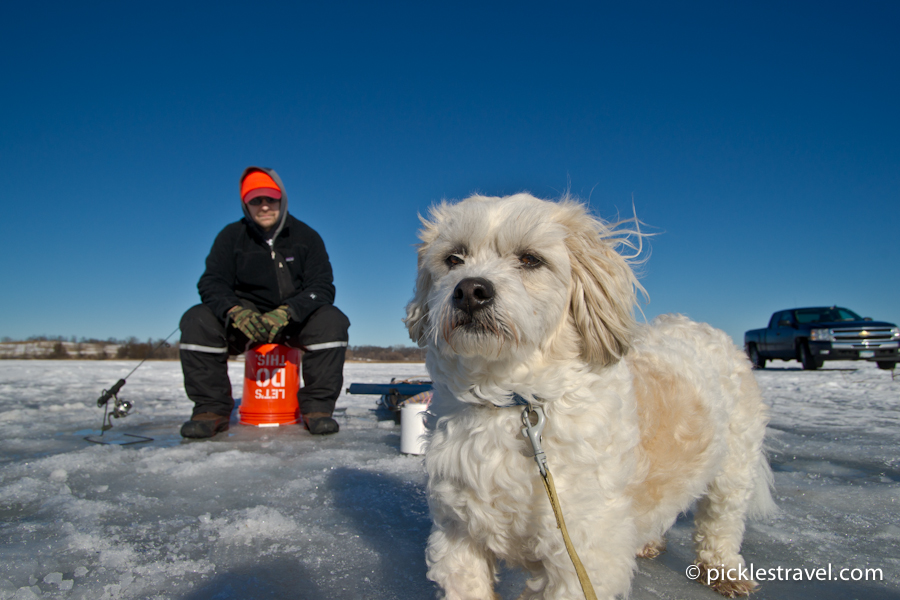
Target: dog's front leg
[(463, 569), (604, 540)]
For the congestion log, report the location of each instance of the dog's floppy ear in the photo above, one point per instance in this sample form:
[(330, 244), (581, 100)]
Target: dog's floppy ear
[(417, 310), (602, 291)]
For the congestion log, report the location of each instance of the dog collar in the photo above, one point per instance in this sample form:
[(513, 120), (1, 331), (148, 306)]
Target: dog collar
[(516, 400)]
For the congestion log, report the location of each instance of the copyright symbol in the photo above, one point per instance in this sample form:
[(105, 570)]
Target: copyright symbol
[(692, 572)]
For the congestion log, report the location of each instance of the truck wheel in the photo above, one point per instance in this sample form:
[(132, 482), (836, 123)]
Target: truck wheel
[(758, 361), (809, 362), (887, 365)]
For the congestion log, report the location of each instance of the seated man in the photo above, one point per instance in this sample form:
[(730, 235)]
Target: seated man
[(267, 279)]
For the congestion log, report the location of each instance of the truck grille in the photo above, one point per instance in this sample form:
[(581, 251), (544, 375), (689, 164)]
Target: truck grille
[(862, 336)]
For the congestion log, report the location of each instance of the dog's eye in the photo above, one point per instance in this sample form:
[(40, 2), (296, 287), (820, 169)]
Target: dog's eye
[(530, 261), (454, 261)]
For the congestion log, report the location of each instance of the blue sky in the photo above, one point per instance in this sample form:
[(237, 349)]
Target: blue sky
[(759, 140)]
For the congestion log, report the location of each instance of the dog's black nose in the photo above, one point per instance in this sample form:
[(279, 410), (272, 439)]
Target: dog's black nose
[(472, 294)]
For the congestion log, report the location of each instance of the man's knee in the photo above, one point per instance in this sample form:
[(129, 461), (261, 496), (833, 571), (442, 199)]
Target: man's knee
[(198, 323), (339, 321), (196, 314), (327, 324)]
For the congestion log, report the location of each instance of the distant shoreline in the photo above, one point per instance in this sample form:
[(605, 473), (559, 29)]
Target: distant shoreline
[(132, 349)]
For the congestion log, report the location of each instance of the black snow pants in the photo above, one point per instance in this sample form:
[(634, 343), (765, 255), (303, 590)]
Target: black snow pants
[(207, 342)]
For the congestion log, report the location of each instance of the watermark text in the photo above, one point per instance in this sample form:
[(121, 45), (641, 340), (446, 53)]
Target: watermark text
[(710, 575)]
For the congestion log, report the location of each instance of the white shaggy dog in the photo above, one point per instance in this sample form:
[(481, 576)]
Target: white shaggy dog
[(523, 296)]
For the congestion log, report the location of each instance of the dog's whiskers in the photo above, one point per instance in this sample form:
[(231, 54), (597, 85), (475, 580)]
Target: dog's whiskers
[(447, 324), (485, 325)]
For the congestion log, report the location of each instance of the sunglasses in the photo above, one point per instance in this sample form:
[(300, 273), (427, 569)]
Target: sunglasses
[(260, 199)]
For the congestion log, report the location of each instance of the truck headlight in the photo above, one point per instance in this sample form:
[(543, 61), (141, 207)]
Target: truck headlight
[(821, 335), (895, 333)]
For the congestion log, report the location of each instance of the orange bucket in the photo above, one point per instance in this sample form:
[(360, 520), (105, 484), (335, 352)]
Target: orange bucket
[(271, 381)]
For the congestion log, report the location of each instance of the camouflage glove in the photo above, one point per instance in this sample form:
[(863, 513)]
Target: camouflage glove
[(249, 322), (275, 320)]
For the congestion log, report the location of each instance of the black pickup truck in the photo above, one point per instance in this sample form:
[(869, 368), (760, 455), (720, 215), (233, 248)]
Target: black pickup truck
[(814, 335)]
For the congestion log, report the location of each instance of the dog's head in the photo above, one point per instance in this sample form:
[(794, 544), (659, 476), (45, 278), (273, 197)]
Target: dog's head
[(501, 276)]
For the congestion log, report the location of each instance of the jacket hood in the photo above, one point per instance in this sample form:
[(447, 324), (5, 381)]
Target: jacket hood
[(282, 216)]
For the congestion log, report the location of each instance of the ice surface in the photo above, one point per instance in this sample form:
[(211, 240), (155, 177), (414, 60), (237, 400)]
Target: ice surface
[(278, 513)]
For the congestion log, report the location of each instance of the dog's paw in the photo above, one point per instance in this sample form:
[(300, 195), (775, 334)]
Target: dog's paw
[(716, 578), (652, 549), (732, 589)]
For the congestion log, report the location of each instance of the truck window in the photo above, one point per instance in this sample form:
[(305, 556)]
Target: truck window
[(811, 315), (784, 315), (826, 315), (843, 314)]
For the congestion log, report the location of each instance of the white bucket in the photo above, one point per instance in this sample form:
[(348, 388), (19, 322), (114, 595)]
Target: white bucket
[(412, 428)]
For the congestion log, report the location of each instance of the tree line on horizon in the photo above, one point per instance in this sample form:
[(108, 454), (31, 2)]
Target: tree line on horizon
[(386, 354), (61, 348)]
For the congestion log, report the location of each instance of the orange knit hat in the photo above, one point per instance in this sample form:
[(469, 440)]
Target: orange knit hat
[(259, 183)]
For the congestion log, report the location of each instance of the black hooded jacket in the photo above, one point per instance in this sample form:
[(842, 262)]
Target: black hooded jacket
[(286, 265)]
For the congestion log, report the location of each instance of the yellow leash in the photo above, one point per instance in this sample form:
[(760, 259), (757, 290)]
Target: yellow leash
[(533, 433)]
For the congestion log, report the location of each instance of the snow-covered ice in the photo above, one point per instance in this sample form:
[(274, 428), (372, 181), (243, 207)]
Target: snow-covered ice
[(278, 513)]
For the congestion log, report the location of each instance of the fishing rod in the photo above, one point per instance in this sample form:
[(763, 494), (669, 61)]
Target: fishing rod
[(121, 407)]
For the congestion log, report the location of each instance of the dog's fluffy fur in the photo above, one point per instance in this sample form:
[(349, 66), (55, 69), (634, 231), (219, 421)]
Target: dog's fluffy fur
[(642, 420)]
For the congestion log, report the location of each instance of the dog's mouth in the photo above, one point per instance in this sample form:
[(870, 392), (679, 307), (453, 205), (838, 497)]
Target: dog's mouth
[(480, 324)]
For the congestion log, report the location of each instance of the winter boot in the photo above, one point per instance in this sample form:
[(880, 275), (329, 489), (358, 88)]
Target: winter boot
[(320, 423), (204, 425)]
